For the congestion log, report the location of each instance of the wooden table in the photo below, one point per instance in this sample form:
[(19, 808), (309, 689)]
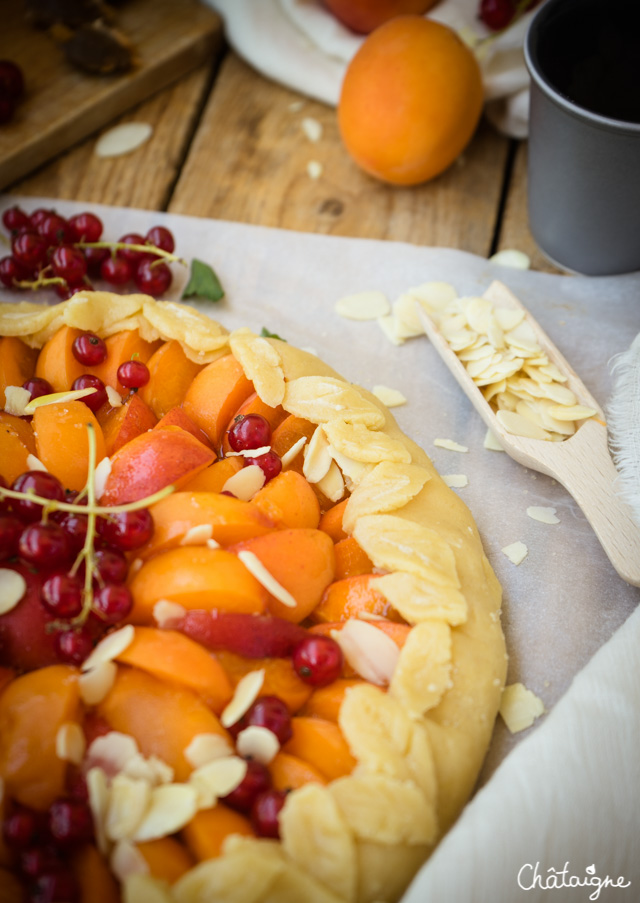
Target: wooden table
[(228, 144)]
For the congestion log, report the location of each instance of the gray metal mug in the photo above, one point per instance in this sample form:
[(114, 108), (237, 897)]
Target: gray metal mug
[(584, 137)]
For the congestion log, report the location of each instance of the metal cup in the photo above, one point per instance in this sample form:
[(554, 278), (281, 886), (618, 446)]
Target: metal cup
[(584, 135)]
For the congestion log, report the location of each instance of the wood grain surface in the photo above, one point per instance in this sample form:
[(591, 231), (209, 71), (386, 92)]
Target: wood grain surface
[(63, 105)]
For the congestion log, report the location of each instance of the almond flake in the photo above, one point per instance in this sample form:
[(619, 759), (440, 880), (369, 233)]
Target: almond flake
[(205, 748), (519, 707), (518, 260), (262, 575), (257, 742), (57, 398), (246, 692), (518, 425), (450, 445), (368, 650), (572, 412), (456, 480), (249, 452), (405, 311), (139, 888), (363, 306), (98, 791), (172, 806), (16, 400), (294, 451), (152, 770), (113, 397), (491, 442), (220, 776), (389, 325), (246, 482), (101, 476), (127, 860), (128, 802), (198, 535), (111, 752), (34, 463), (213, 544), (70, 743), (13, 586), (109, 647), (135, 566), (312, 128), (544, 515), (370, 616), (317, 458), (123, 139), (516, 552), (95, 684), (434, 296), (392, 398), (332, 483), (314, 169), (165, 612)]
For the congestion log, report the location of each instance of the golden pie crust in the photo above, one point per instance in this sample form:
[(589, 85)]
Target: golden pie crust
[(420, 743)]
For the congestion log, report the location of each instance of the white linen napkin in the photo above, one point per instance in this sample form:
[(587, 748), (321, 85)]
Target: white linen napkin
[(624, 424), (300, 44)]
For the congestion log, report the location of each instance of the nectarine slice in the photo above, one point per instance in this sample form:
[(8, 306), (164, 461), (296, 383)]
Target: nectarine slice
[(289, 772), (321, 744), (56, 361), (171, 374), (214, 477), (62, 440), (121, 425), (209, 828), (195, 577), (166, 858), (345, 598), (177, 417), (288, 501), (215, 394)]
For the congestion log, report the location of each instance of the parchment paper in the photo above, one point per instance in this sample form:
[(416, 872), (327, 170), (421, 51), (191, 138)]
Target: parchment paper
[(565, 600)]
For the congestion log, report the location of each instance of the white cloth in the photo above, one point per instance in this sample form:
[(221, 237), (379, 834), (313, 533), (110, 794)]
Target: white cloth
[(624, 424), (300, 44)]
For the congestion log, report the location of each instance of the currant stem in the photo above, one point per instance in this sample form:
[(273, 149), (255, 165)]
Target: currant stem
[(121, 245), (100, 510), (39, 283)]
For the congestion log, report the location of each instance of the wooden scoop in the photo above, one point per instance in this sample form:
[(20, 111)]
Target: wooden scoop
[(581, 463)]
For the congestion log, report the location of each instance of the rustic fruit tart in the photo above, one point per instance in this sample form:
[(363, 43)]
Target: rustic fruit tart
[(250, 642)]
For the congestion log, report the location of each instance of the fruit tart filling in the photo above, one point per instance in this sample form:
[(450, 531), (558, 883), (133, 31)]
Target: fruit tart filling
[(193, 611)]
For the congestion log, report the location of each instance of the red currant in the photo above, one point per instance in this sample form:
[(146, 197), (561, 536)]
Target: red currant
[(264, 813), (86, 227), (38, 216), (127, 530), (256, 781), (152, 278), (62, 596), (133, 374), (116, 270), (89, 381), (89, 349), (20, 828), (251, 431), (270, 712), (37, 387), (37, 861), (11, 80), (161, 238), (11, 272), (497, 14), (317, 660), (14, 218), (36, 482), (75, 526), (45, 545), (95, 257), (132, 238), (55, 229), (269, 463), (70, 821), (73, 646), (111, 565), (56, 886), (112, 603), (29, 249), (10, 530), (69, 263)]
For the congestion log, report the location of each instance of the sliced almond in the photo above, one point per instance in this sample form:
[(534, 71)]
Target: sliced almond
[(113, 397), (572, 412), (450, 445), (434, 296), (392, 398), (368, 650), (95, 684), (332, 483), (123, 139), (34, 463), (139, 888), (294, 451), (198, 535), (13, 586), (111, 752), (98, 791), (257, 742), (246, 692), (101, 476), (491, 442), (544, 515), (519, 707), (220, 776), (520, 426), (390, 326), (57, 398), (246, 482), (152, 770), (456, 480), (205, 748), (70, 742), (516, 552), (166, 612), (262, 575), (363, 306), (127, 860), (249, 452), (110, 647), (509, 257), (317, 458), (16, 400), (171, 807), (128, 803)]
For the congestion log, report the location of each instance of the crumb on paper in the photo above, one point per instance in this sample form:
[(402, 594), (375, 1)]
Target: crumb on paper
[(312, 128), (510, 257), (314, 169), (456, 480), (516, 552), (491, 442), (392, 398), (544, 515), (123, 139), (450, 445), (519, 707)]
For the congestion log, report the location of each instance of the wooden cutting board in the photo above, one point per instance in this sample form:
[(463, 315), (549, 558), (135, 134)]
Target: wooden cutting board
[(63, 105)]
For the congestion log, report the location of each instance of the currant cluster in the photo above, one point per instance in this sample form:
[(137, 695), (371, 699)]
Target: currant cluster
[(91, 351), (499, 14), (41, 844), (250, 432), (48, 250), (11, 88)]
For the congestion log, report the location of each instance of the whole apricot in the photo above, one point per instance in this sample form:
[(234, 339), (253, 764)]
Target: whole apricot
[(410, 101), (365, 15)]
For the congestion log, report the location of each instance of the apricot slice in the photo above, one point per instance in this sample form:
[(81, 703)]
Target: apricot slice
[(170, 375), (13, 453), (175, 658), (121, 347), (325, 702), (321, 744), (395, 631), (215, 394), (254, 405), (21, 427), (95, 880), (351, 560), (331, 521), (121, 425), (288, 501), (195, 577), (6, 675), (209, 828), (163, 718), (62, 440), (280, 679), (289, 772), (214, 477), (345, 598), (17, 363), (11, 889), (152, 461), (56, 361), (32, 709), (302, 561), (231, 520), (167, 859), (177, 417), (287, 434)]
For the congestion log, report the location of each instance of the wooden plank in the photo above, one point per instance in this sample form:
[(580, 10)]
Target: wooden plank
[(143, 178), (249, 159), (63, 105), (514, 228)]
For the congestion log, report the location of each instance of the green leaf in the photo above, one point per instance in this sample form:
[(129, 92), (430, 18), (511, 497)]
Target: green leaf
[(203, 282), (264, 332)]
